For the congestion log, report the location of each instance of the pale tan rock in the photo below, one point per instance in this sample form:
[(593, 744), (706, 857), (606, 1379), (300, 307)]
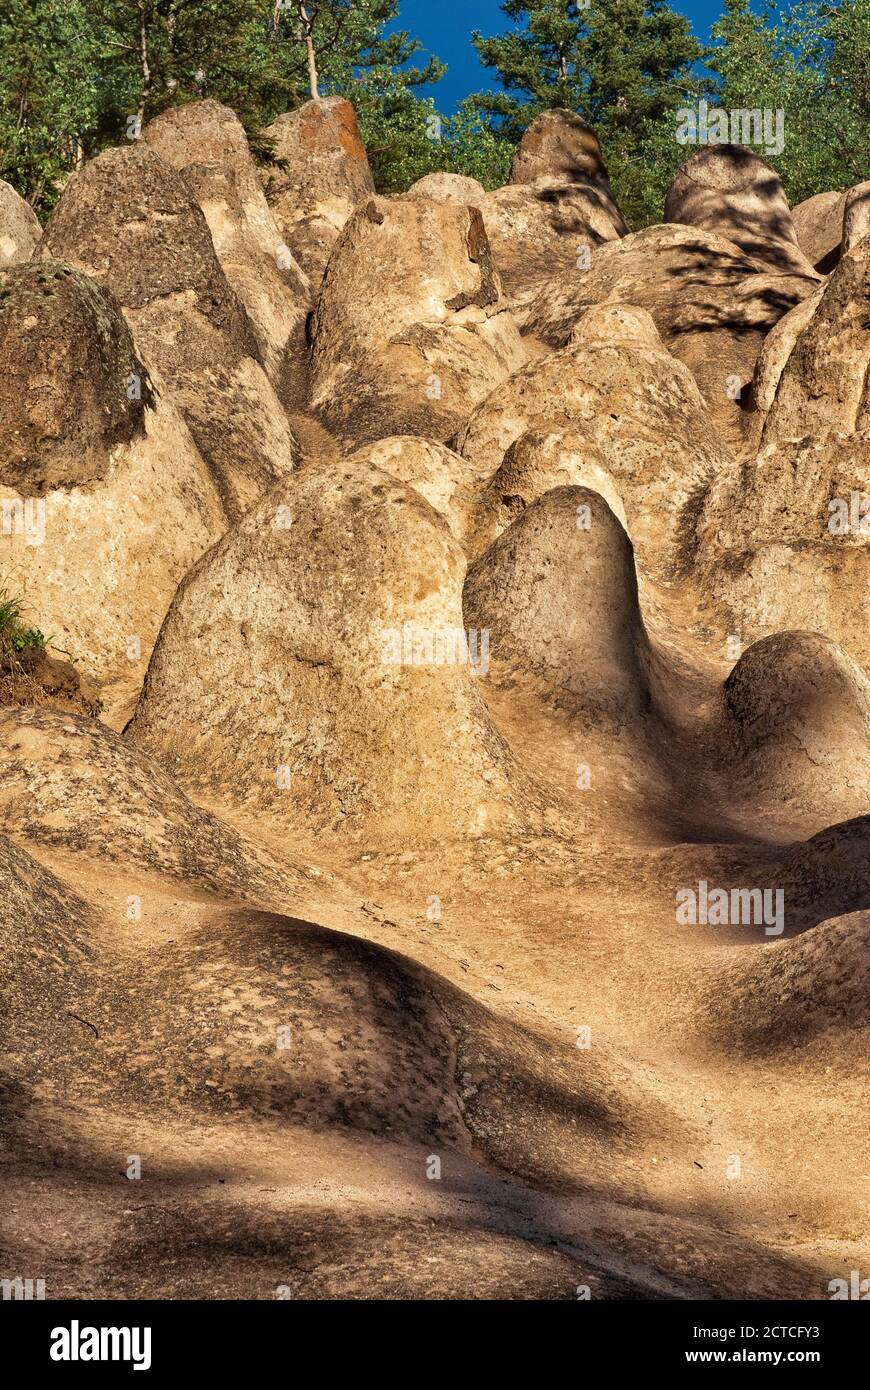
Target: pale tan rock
[(794, 990), (19, 227), (411, 328), (635, 403), (762, 588), (207, 143), (547, 227), (129, 219), (823, 387), (47, 954), (97, 563), (329, 635), (135, 227), (796, 726), (558, 591), (449, 188), (443, 477), (70, 782), (535, 463), (324, 174), (784, 540), (713, 306), (777, 349), (784, 494), (828, 874), (818, 224), (616, 325), (728, 190), (556, 209), (503, 987), (560, 144), (36, 679), (856, 216), (105, 501), (206, 132)]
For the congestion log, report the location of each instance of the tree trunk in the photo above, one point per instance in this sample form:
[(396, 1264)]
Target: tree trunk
[(309, 49), (145, 90)]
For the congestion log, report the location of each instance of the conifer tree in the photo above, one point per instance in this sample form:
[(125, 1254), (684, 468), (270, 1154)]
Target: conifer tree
[(624, 65)]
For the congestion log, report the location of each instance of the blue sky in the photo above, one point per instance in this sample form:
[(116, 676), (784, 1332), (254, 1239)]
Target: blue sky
[(444, 28)]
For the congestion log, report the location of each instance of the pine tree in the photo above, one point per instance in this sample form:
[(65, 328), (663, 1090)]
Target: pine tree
[(48, 94), (262, 57), (157, 53), (624, 65)]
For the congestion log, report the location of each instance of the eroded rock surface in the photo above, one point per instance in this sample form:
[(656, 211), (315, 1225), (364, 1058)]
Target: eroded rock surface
[(477, 862)]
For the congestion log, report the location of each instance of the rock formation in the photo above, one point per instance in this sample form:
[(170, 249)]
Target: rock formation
[(728, 190), (558, 144), (19, 227), (557, 207), (712, 304), (68, 393), (207, 142), (856, 216), (129, 220), (818, 225), (411, 328), (559, 594), (104, 499), (615, 384), (318, 573), (322, 174), (434, 726)]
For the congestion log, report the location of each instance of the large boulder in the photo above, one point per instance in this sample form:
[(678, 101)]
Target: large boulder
[(823, 387), (129, 220), (322, 173), (712, 304), (329, 634), (795, 730), (207, 143), (728, 190), (411, 328), (449, 188), (558, 144), (829, 873), (538, 461), (98, 563), (775, 352), (557, 206), (558, 592), (818, 225), (19, 227), (134, 226), (618, 387), (548, 227), (856, 216), (105, 501), (784, 540), (444, 478), (68, 364)]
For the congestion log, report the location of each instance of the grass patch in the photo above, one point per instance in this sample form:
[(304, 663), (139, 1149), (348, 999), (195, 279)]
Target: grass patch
[(16, 638)]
